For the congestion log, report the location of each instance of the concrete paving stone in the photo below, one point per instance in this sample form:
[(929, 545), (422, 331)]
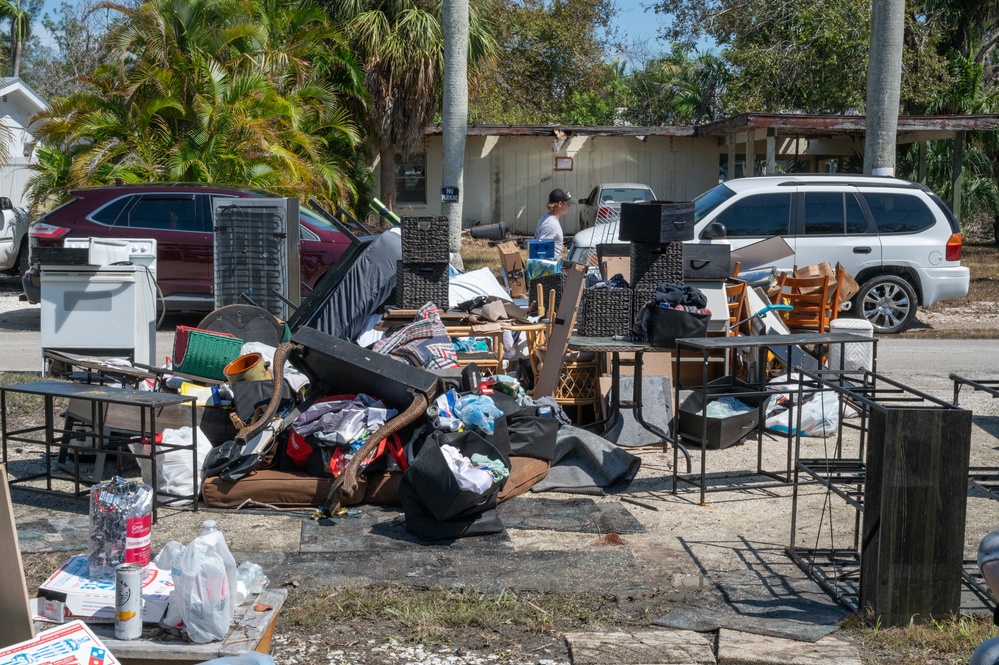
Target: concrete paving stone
[(737, 648), (640, 647)]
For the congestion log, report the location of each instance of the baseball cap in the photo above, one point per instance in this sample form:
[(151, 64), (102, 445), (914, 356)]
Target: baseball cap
[(558, 196)]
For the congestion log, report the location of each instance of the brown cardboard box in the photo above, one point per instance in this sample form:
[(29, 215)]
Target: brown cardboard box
[(847, 290), (614, 265), (513, 265)]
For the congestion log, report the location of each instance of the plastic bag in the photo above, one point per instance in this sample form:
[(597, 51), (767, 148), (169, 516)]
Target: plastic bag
[(477, 412), (819, 416), (174, 473), (170, 558), (206, 586), (121, 517)]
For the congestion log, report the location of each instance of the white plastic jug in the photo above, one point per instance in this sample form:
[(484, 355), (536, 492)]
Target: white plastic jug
[(206, 586)]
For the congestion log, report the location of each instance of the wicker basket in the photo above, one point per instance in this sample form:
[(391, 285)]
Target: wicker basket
[(425, 239), (203, 352), (652, 265), (416, 284), (605, 312), (548, 282)]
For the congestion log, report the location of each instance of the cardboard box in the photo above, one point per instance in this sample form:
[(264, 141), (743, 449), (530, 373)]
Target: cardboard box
[(70, 594), (513, 265), (848, 288), (72, 644), (764, 252), (615, 265)]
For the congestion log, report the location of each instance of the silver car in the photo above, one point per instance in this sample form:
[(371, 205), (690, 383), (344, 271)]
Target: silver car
[(604, 202)]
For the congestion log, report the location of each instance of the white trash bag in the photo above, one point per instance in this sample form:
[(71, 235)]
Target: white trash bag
[(174, 473), (206, 586), (819, 416)]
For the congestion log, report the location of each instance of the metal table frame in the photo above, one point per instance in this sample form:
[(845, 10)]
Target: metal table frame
[(101, 441), (615, 348), (786, 344)]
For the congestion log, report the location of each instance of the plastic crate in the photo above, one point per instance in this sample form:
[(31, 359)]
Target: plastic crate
[(203, 352), (425, 239)]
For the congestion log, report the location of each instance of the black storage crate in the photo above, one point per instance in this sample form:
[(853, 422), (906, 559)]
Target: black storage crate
[(425, 239), (656, 222), (706, 261), (605, 312), (416, 284), (652, 265), (722, 432), (548, 282)]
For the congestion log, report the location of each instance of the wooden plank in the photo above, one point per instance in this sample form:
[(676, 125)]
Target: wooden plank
[(914, 513), (558, 341), (247, 634), (15, 609)]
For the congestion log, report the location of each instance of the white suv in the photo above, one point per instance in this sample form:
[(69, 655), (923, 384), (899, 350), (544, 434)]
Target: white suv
[(898, 239)]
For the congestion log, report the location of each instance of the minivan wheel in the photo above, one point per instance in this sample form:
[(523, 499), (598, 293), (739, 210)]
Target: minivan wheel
[(888, 302)]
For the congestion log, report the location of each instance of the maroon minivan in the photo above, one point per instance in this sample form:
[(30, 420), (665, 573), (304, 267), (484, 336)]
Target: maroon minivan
[(179, 218)]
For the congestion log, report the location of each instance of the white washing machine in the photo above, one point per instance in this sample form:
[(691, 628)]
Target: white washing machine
[(104, 308)]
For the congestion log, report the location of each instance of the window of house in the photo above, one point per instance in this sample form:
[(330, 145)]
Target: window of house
[(411, 178)]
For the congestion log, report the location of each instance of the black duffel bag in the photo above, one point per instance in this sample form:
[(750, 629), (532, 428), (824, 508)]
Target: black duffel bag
[(666, 325), (436, 508)]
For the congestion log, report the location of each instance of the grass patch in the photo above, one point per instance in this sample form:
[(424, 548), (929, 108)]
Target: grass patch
[(477, 254), (433, 616), (950, 640), (21, 404)]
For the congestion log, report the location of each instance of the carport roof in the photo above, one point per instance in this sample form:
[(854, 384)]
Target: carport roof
[(911, 127)]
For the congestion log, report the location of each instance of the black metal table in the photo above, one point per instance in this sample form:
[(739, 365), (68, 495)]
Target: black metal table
[(147, 404), (787, 348), (615, 348)]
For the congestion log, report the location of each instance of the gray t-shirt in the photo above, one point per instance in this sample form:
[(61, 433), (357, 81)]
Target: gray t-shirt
[(549, 228)]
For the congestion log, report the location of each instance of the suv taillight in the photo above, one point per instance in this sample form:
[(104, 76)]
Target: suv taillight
[(954, 245), (43, 231)]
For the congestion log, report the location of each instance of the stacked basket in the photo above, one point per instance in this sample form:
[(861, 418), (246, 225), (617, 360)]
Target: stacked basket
[(605, 312), (656, 231), (422, 275)]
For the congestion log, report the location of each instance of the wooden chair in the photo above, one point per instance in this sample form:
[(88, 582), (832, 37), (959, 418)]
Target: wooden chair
[(810, 297), (735, 293), (489, 362)]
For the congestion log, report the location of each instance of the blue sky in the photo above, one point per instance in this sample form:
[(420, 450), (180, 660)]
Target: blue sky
[(637, 28)]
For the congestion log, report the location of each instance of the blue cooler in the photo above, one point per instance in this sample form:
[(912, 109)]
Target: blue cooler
[(541, 249)]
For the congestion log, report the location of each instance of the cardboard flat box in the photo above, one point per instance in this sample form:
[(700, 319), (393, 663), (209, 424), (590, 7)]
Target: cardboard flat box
[(615, 265), (761, 253), (513, 265), (72, 644), (69, 594), (848, 288)]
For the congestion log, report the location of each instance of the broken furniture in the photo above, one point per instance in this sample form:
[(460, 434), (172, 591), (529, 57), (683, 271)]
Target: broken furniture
[(810, 299), (100, 439), (735, 294), (785, 347), (614, 348), (901, 556)]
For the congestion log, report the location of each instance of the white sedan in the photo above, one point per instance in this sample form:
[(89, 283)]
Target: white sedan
[(604, 202)]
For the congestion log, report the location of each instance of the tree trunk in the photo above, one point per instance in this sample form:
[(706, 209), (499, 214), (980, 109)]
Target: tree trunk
[(454, 116), (386, 156), (884, 74)]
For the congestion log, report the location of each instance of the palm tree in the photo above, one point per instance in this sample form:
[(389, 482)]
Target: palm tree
[(401, 45), (20, 30), (253, 92)]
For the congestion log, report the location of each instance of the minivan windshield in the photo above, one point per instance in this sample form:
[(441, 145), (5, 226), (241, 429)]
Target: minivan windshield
[(710, 200)]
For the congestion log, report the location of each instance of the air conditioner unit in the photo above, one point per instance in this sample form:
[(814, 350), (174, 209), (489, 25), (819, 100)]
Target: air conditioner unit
[(257, 253)]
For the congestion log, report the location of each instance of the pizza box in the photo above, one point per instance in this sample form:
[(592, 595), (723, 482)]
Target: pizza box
[(70, 594), (72, 644)]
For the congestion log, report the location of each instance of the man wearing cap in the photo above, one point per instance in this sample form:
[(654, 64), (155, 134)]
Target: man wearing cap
[(549, 226)]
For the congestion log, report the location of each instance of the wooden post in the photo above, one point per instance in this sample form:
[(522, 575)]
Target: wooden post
[(915, 498)]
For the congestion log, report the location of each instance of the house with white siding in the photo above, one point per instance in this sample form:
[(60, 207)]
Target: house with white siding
[(18, 103)]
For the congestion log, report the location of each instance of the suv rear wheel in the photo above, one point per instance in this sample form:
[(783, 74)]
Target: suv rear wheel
[(888, 302)]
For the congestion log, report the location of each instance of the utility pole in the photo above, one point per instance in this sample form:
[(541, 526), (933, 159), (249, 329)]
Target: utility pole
[(454, 115), (884, 74)]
